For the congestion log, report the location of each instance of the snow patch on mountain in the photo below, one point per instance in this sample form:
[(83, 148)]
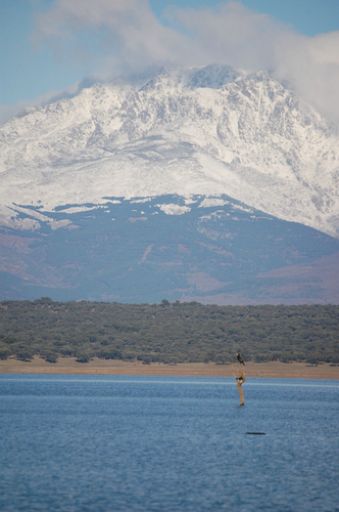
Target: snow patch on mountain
[(208, 132), (207, 202), (173, 209)]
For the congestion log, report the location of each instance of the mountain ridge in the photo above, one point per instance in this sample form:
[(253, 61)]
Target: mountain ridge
[(208, 131)]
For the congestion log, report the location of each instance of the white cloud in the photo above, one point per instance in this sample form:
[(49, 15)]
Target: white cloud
[(130, 37), (130, 34), (237, 36), (311, 65)]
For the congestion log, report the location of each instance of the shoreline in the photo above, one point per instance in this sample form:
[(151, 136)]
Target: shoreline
[(69, 366)]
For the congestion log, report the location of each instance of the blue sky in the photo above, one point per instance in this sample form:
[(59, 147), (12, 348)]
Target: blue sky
[(307, 16), (46, 46)]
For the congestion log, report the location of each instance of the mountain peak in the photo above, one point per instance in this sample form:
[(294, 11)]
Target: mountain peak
[(213, 76), (208, 131)]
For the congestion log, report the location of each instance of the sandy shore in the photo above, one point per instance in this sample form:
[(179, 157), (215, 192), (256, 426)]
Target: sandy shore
[(103, 367)]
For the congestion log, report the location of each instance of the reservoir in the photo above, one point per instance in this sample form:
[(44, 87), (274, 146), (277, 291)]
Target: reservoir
[(152, 444)]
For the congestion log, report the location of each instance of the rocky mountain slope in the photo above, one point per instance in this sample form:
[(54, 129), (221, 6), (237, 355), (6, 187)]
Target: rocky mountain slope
[(209, 131)]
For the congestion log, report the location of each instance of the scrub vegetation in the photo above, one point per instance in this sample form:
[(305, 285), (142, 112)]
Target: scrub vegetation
[(168, 332)]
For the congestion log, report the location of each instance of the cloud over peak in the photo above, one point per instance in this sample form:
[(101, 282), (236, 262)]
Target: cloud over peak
[(129, 37)]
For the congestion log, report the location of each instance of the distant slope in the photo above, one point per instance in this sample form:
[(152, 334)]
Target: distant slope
[(144, 251)]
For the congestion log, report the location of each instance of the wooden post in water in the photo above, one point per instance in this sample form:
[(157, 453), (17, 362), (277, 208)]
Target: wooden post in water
[(240, 379)]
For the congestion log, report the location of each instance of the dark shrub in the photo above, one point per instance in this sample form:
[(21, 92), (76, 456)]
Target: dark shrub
[(83, 358)]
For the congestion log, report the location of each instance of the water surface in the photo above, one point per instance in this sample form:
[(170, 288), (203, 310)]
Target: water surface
[(128, 444)]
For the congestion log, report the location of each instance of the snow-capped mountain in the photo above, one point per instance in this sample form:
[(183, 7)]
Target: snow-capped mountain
[(203, 184), (208, 132)]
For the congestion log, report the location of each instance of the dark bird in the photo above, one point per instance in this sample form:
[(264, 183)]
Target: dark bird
[(240, 359)]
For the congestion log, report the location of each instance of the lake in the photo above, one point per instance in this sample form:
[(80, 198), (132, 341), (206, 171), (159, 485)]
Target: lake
[(152, 444)]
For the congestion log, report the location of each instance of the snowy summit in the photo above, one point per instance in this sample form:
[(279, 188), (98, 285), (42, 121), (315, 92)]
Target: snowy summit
[(210, 131)]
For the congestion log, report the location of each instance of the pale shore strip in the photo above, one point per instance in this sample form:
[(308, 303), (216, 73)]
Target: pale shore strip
[(116, 367)]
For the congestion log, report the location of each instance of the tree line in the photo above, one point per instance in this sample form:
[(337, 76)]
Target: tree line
[(168, 332)]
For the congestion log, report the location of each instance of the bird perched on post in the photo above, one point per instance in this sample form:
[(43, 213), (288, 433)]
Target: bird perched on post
[(240, 359)]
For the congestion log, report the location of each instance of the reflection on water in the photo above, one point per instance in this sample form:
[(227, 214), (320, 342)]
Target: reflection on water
[(128, 444)]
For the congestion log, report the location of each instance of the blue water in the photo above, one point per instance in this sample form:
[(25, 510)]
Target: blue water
[(125, 444)]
